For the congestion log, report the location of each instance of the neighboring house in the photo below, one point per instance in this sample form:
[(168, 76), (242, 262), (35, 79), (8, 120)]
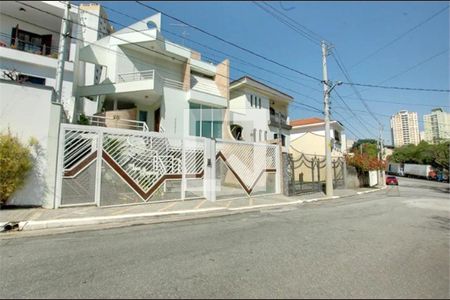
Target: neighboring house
[(29, 41), (308, 137), (153, 84), (258, 113)]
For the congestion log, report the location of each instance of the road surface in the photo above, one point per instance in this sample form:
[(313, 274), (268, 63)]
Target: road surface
[(389, 244)]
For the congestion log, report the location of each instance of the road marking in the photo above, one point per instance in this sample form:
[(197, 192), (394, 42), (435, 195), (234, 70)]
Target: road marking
[(200, 204), (168, 206)]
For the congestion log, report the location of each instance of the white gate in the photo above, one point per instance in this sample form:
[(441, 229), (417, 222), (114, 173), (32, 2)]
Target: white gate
[(110, 166)]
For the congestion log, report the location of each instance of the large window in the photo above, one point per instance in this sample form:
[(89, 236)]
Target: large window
[(205, 121)]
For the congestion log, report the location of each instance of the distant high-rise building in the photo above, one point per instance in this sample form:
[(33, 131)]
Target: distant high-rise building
[(405, 128), (437, 125)]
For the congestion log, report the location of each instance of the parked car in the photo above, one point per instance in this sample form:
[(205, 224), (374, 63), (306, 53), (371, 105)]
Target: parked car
[(391, 180)]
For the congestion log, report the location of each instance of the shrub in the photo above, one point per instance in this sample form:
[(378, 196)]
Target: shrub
[(15, 163), (83, 120)]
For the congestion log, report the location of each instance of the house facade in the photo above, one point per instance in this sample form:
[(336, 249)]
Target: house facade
[(259, 113), (308, 137), (153, 84)]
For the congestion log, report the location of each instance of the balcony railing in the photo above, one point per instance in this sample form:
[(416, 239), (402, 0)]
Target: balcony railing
[(117, 123), (25, 46), (136, 76), (279, 120)]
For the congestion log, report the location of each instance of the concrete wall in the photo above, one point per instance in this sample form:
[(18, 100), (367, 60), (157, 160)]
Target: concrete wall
[(27, 110)]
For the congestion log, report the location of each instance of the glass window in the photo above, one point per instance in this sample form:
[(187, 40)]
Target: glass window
[(251, 100), (195, 120), (205, 121), (259, 102)]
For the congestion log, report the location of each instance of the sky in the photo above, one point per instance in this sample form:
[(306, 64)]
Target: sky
[(420, 58)]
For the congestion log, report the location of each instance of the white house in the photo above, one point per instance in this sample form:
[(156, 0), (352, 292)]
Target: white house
[(153, 84), (308, 137), (29, 42), (258, 113)]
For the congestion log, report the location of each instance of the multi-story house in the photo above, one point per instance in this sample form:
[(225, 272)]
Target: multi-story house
[(153, 84), (258, 113), (437, 126), (405, 128), (308, 137), (29, 42)]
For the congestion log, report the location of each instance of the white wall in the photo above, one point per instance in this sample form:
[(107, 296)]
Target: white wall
[(27, 110), (48, 72), (174, 119)]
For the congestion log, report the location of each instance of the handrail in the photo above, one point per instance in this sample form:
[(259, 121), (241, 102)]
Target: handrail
[(136, 76), (121, 123)]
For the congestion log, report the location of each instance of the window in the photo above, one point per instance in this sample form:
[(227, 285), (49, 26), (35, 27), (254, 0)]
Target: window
[(31, 42), (260, 135), (251, 100), (205, 121), (31, 79), (259, 102), (254, 135), (265, 135)]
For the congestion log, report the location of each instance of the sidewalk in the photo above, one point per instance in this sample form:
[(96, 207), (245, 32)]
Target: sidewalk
[(40, 218)]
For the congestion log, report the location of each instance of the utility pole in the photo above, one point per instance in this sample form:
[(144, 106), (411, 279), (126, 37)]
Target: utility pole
[(62, 52), (380, 156)]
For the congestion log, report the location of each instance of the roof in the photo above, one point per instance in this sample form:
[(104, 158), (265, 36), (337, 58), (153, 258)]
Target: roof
[(308, 121), (312, 121), (249, 80)]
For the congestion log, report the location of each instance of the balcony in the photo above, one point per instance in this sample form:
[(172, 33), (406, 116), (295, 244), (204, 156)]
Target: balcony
[(277, 119), (117, 122), (205, 91)]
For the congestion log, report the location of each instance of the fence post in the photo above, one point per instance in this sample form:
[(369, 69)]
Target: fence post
[(209, 184), (278, 178), (183, 169), (319, 184), (344, 172), (312, 171), (335, 164), (60, 167), (98, 167)]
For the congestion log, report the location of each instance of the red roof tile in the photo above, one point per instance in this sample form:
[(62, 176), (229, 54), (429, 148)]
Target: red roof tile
[(308, 121)]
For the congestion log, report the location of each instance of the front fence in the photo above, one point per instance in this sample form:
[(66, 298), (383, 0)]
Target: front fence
[(109, 166), (308, 172)]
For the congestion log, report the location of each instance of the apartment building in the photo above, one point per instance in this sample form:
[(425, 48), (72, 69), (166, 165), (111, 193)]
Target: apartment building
[(437, 126), (405, 128)]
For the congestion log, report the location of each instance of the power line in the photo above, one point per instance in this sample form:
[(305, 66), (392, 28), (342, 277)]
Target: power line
[(396, 87), (318, 37), (82, 25), (347, 75), (299, 31), (412, 67), (231, 43), (210, 48), (404, 103), (400, 36)]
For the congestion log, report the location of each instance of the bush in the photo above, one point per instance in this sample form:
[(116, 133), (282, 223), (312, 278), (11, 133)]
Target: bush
[(83, 120), (15, 163)]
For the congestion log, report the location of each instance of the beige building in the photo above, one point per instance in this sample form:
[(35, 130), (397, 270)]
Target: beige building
[(437, 125), (405, 128)]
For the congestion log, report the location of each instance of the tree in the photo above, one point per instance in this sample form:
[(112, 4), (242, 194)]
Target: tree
[(436, 155), (364, 141)]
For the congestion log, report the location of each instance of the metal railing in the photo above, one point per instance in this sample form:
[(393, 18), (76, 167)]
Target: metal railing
[(117, 123), (136, 76), (25, 46), (172, 83), (276, 119)]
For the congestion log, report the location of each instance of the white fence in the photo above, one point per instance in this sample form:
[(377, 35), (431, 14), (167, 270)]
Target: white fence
[(109, 166)]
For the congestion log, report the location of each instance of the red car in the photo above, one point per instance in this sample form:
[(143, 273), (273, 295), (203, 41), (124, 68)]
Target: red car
[(391, 180)]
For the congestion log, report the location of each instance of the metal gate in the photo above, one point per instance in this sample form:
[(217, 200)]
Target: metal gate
[(110, 166), (308, 172)]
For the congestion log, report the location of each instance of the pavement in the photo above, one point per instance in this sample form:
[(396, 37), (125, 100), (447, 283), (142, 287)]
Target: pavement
[(388, 244), (90, 217)]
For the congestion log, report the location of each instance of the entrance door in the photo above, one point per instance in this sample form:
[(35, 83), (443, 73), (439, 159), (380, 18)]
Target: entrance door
[(157, 119)]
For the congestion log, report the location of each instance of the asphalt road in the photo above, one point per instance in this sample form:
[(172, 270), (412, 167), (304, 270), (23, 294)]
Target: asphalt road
[(389, 244)]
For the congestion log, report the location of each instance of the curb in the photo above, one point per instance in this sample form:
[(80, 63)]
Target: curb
[(138, 218)]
